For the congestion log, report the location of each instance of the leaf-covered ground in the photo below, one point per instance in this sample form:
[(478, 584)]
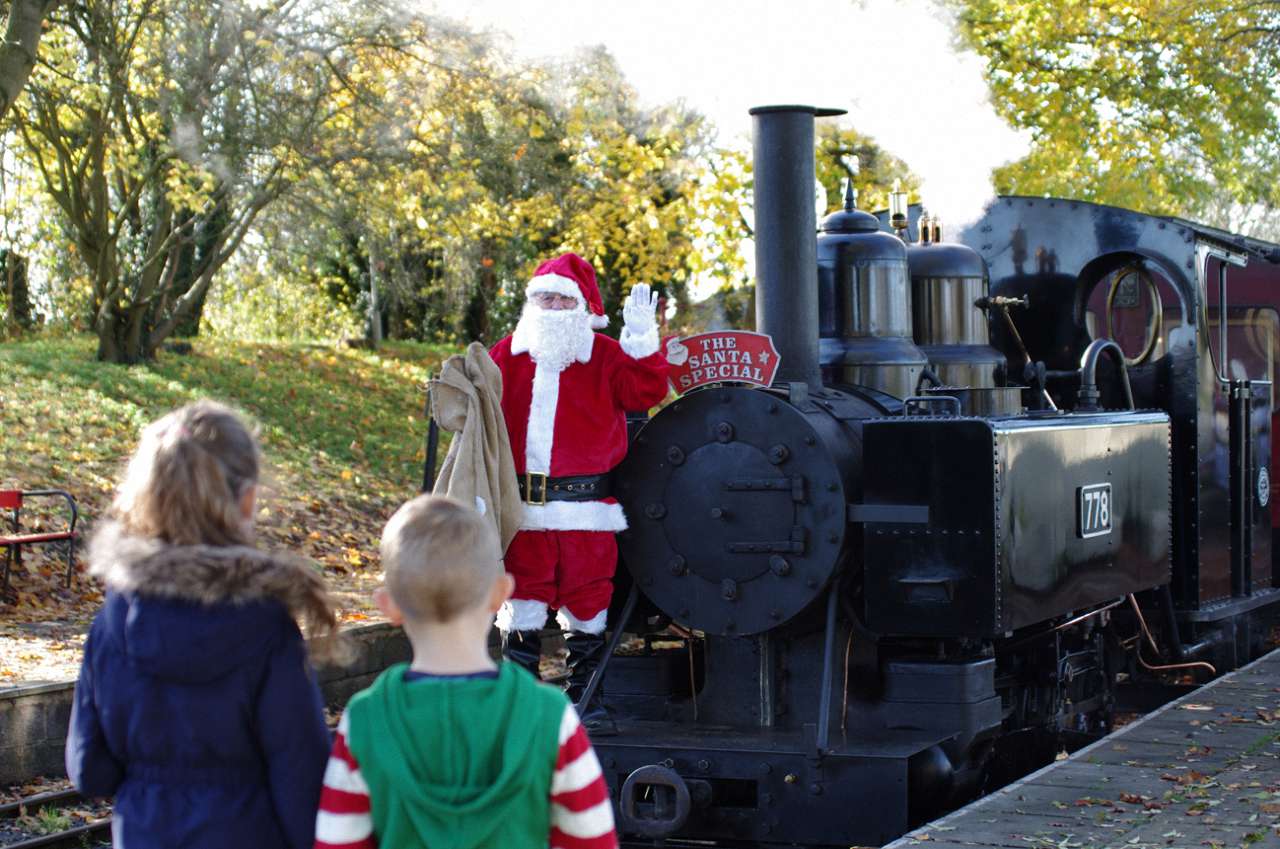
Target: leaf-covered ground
[(342, 432)]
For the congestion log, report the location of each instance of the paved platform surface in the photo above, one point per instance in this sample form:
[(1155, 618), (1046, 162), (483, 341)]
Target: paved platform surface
[(1202, 771)]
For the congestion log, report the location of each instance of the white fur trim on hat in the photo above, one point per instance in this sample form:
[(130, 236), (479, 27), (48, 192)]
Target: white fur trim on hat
[(594, 625), (521, 614), (557, 283), (568, 287), (574, 516)]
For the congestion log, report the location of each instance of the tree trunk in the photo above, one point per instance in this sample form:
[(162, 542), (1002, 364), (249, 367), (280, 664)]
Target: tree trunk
[(13, 270), (375, 313), (18, 50), (121, 337), (193, 261), (475, 321)]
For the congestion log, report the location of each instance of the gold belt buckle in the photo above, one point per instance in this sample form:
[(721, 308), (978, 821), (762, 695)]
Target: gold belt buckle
[(528, 488)]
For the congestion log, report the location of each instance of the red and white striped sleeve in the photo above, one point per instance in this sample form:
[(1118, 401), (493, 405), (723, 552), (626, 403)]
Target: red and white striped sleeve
[(344, 820), (581, 813)]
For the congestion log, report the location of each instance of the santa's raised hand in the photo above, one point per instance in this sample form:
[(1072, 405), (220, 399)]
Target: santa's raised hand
[(639, 321)]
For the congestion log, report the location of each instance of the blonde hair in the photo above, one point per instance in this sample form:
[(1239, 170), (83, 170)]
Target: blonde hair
[(185, 482), (441, 558)]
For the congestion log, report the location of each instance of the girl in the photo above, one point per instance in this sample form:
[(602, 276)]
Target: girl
[(196, 707)]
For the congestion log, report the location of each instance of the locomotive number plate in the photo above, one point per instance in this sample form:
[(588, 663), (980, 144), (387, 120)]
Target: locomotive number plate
[(1094, 503)]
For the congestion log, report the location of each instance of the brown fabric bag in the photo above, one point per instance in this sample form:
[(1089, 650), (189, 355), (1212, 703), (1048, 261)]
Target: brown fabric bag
[(478, 470)]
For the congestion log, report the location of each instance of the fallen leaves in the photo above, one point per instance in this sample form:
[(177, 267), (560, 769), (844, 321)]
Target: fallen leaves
[(1184, 778), (339, 429)]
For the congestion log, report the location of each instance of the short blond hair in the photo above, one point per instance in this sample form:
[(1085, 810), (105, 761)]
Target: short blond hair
[(441, 558), (184, 483)]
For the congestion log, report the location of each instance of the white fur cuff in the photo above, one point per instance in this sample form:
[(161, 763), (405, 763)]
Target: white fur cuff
[(594, 625), (521, 614), (639, 346)]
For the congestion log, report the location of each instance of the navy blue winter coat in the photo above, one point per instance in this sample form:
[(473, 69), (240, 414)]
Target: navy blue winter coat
[(196, 707)]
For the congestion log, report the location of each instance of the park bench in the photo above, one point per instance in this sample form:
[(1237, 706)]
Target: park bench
[(12, 499)]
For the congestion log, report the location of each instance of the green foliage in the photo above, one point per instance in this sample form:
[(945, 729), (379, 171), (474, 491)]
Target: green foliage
[(1169, 107), (252, 305), (51, 820)]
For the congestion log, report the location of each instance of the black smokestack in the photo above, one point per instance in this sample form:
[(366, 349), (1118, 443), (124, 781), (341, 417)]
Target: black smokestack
[(785, 233)]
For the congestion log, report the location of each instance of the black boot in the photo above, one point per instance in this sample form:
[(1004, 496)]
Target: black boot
[(585, 653), (524, 648)]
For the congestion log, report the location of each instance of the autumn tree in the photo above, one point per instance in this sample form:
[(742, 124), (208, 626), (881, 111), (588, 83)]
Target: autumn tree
[(162, 129), (467, 168), (404, 211), (1169, 106)]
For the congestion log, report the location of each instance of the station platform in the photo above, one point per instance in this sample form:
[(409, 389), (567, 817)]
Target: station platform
[(1201, 771)]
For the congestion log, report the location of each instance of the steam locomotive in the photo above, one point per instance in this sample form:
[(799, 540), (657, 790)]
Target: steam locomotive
[(992, 479)]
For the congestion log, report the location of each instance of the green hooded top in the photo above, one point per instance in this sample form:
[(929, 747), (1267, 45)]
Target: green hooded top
[(458, 762)]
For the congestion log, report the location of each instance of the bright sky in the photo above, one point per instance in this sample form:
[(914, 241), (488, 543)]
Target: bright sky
[(889, 62)]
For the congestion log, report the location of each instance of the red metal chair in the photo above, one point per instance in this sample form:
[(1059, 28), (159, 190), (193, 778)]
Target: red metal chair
[(11, 499)]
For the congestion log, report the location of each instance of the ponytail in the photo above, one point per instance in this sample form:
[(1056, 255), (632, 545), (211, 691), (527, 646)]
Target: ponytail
[(185, 483)]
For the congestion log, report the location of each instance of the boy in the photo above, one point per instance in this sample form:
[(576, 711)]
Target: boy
[(452, 750)]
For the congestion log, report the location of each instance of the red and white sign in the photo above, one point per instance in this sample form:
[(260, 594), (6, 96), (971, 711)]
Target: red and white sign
[(722, 356)]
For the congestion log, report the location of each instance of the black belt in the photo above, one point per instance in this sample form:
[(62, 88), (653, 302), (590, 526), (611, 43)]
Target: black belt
[(539, 489)]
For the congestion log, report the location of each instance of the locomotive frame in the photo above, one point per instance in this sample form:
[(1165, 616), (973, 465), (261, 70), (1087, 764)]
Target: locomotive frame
[(861, 600)]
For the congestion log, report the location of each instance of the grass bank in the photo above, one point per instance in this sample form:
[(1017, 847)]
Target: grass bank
[(342, 433)]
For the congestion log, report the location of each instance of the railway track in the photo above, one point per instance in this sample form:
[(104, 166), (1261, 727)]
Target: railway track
[(94, 832)]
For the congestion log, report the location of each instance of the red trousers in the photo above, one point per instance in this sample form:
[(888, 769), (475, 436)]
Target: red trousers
[(564, 569)]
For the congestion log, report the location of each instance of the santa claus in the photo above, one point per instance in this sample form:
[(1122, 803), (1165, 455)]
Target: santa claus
[(565, 393)]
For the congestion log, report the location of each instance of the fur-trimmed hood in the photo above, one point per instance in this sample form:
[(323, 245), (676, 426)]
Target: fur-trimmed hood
[(220, 590)]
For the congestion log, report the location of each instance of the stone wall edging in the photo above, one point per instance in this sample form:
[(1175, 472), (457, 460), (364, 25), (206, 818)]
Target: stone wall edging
[(33, 720)]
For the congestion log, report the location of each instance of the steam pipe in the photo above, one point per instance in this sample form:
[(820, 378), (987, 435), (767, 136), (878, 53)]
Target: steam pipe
[(828, 672), (1087, 397), (1181, 651), (928, 376), (785, 234)]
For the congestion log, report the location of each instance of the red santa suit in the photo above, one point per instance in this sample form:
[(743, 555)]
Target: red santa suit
[(568, 422)]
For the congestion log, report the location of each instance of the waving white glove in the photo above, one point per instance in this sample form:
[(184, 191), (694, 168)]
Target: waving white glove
[(640, 309), (639, 322)]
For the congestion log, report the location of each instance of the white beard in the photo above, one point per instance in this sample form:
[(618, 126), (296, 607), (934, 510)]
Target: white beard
[(554, 338)]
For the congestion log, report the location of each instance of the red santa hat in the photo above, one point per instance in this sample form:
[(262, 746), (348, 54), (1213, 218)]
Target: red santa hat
[(572, 276)]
